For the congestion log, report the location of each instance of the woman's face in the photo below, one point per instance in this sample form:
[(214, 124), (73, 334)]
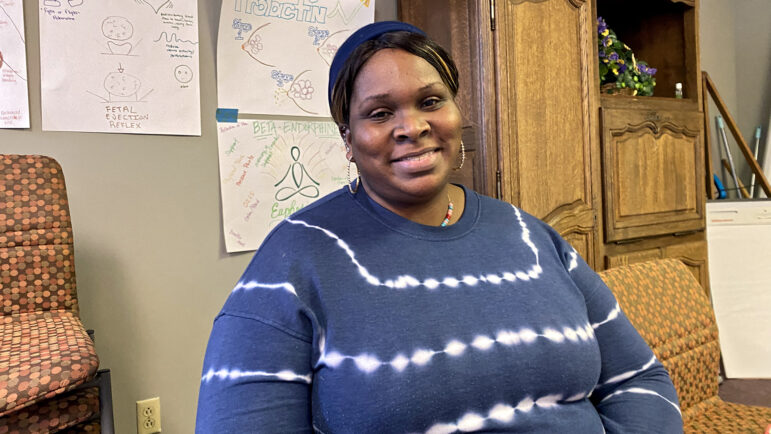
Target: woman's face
[(404, 130)]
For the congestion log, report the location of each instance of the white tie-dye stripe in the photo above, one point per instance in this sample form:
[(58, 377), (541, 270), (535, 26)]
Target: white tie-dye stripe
[(234, 374), (611, 316), (407, 281), (253, 284), (642, 391), (629, 374), (573, 260), (369, 363), (502, 413)]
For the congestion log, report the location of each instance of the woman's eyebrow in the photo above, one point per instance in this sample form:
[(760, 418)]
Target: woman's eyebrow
[(382, 96)]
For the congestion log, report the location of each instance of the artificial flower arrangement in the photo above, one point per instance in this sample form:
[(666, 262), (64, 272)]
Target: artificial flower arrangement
[(620, 72)]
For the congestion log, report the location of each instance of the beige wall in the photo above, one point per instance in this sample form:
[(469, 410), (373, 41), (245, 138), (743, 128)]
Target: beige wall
[(736, 52), (149, 254)]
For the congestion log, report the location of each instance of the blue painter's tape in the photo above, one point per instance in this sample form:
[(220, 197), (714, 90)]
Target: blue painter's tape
[(227, 115)]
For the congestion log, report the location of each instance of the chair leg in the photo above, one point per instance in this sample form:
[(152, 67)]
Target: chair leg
[(105, 401)]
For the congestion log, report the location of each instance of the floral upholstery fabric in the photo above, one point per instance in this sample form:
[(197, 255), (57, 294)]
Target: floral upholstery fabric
[(37, 270), (673, 314), (89, 427), (53, 415), (43, 354), (45, 351)]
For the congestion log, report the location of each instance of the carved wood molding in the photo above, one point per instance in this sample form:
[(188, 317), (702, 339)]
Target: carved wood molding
[(691, 3), (657, 130), (692, 261), (576, 3), (576, 217)]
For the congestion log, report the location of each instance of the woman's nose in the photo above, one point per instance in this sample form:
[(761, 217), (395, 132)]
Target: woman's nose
[(412, 125)]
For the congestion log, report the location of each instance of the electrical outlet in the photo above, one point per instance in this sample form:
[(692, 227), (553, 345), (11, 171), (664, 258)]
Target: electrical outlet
[(149, 416)]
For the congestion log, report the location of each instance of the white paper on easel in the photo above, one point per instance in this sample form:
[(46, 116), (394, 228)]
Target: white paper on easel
[(273, 57), (739, 242), (14, 95), (120, 66), (271, 168)]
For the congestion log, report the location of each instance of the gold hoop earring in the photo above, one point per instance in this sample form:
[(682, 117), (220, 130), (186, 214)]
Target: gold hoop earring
[(462, 156), (358, 179)]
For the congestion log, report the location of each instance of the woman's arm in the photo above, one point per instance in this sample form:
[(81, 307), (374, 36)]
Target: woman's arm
[(256, 378), (634, 393)]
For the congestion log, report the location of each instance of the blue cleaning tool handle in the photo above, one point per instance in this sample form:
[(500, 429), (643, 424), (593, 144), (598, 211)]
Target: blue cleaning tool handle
[(719, 185)]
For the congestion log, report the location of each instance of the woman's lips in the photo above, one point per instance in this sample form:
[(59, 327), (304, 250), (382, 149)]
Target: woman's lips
[(419, 161)]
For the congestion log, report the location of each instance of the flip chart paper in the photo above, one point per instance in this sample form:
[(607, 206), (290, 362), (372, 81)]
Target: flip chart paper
[(14, 100), (120, 66), (273, 57), (271, 168)]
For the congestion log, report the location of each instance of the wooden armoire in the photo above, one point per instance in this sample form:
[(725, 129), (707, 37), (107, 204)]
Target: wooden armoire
[(620, 177)]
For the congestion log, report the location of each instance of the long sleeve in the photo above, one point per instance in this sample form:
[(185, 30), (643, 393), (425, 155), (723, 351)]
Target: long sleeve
[(256, 379), (634, 393), (257, 372)]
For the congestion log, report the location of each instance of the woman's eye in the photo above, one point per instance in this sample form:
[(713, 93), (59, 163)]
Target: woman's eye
[(380, 114), (431, 102)]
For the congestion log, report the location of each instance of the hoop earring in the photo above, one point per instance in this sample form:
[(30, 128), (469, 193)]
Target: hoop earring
[(462, 156), (358, 179)]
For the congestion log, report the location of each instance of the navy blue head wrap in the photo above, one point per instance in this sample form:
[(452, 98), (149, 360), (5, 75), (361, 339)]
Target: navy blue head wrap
[(366, 33)]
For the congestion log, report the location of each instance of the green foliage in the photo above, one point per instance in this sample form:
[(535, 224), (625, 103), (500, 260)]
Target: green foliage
[(619, 66)]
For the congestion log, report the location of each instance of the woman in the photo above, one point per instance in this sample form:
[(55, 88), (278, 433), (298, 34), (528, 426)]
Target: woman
[(403, 303)]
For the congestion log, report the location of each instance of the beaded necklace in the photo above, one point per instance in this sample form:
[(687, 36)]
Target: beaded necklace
[(447, 217)]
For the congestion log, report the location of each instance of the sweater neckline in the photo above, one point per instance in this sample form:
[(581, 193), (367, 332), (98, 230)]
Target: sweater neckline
[(405, 226)]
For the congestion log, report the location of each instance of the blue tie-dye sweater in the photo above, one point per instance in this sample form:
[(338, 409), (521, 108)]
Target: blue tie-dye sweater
[(351, 319)]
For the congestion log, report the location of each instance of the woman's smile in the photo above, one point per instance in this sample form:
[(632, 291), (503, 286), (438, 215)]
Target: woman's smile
[(418, 161)]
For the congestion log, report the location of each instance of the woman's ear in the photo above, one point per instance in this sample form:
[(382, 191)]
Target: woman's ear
[(345, 133)]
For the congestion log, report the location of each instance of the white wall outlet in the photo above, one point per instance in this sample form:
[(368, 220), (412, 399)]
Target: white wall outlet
[(149, 416)]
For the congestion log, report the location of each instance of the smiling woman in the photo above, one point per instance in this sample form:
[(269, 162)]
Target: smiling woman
[(404, 303)]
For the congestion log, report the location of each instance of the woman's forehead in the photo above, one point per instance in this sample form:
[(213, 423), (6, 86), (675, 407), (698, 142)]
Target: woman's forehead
[(394, 68)]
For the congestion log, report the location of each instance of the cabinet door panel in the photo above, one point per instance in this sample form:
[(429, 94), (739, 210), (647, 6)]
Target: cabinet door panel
[(545, 118), (653, 171)]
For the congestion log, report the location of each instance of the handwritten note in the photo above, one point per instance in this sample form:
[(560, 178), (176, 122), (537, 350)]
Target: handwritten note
[(120, 66), (14, 99), (273, 56), (270, 169)]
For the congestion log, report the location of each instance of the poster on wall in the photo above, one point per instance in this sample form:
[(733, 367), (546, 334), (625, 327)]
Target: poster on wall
[(271, 168), (120, 66), (14, 95), (273, 57)]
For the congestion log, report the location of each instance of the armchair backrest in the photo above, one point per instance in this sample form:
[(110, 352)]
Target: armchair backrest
[(37, 266), (669, 308)]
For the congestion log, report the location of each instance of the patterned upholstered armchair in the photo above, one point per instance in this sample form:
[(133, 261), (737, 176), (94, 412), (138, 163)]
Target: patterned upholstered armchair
[(49, 380), (673, 314)]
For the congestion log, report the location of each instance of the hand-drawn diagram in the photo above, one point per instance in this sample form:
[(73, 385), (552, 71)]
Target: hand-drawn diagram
[(122, 87), (156, 4), (299, 172), (183, 74), (270, 169), (253, 44), (241, 27), (176, 47), (120, 81), (57, 3), (297, 39), (118, 31), (14, 101)]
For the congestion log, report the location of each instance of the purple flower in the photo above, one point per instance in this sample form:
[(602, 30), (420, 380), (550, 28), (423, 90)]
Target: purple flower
[(613, 56), (602, 54), (601, 25), (622, 68)]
